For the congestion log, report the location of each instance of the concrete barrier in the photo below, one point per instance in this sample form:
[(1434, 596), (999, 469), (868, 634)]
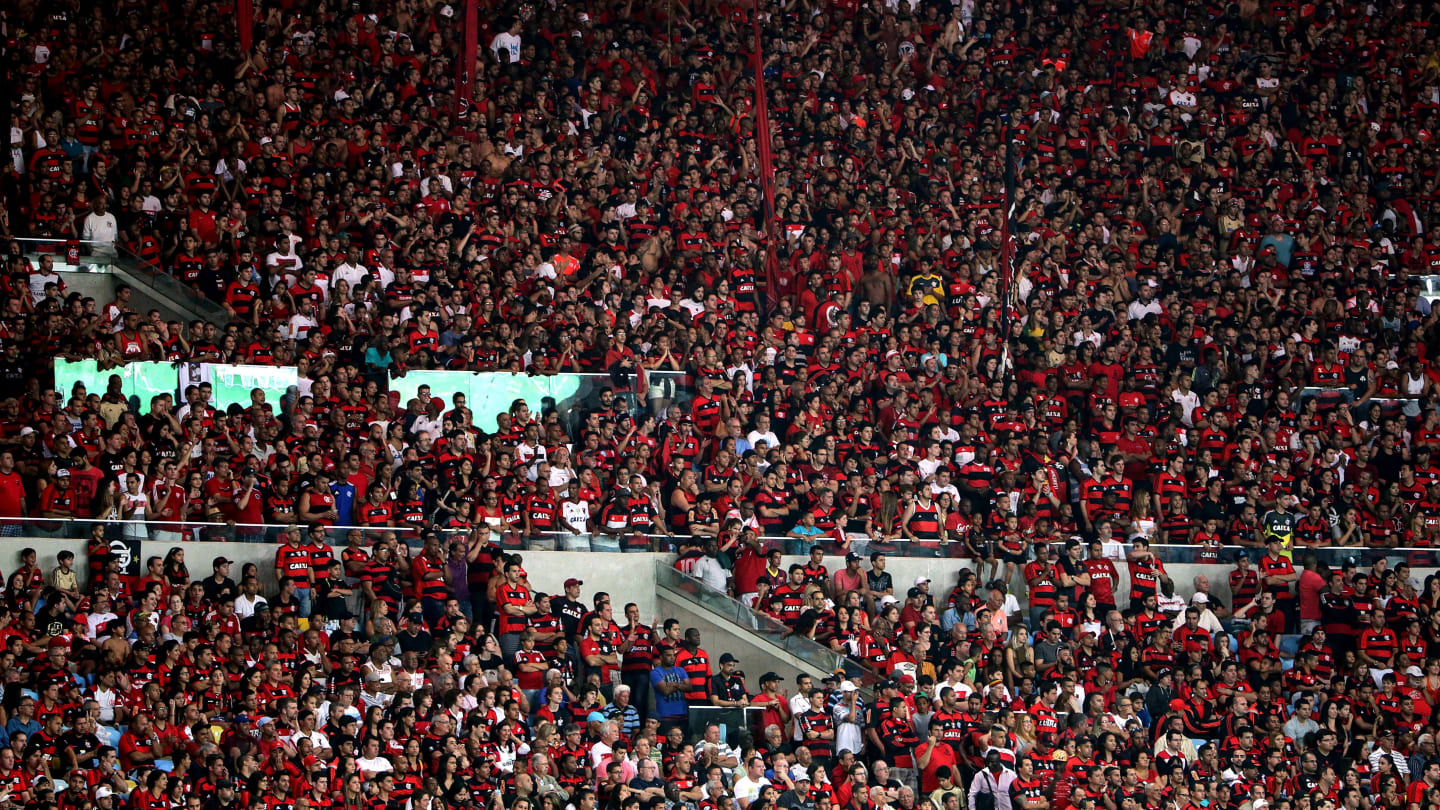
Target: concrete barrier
[(626, 577)]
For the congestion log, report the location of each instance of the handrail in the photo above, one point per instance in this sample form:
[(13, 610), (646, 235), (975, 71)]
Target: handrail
[(774, 632), (167, 285), (108, 257), (1331, 556), (77, 528)]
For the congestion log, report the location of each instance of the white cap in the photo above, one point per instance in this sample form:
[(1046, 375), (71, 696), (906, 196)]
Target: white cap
[(104, 791), (1414, 672), (798, 772), (848, 686), (921, 580), (1200, 599), (887, 599)]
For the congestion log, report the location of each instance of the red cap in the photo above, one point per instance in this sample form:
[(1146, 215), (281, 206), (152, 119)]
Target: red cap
[(573, 581), (58, 643)]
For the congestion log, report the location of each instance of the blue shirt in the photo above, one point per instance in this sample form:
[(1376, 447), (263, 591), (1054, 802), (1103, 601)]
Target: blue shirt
[(672, 705), (16, 725), (344, 493)]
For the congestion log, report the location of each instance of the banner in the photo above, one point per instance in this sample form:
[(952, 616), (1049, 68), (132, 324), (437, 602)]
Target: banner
[(245, 20), (767, 168), (465, 71), (85, 372), (490, 394), (127, 551), (138, 381), (232, 384)]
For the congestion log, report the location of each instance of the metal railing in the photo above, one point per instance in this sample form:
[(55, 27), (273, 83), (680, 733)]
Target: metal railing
[(1331, 556), (77, 529), (774, 632), (90, 256), (164, 285), (100, 257)]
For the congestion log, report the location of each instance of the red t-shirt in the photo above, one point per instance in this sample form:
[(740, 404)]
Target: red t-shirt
[(944, 755), (12, 495)]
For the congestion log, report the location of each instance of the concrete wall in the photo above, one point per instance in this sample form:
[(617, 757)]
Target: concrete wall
[(101, 287), (143, 297), (627, 577)]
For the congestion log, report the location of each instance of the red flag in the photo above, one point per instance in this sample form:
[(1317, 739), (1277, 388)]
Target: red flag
[(245, 19), (767, 168), (465, 76)]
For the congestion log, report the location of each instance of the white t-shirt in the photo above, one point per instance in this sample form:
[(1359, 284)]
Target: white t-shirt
[(98, 620), (600, 756), (1181, 98), (38, 280), (768, 436), (245, 605), (376, 765), (577, 515), (351, 273), (748, 791), (382, 675), (508, 44), (300, 326), (108, 700), (1138, 310), (138, 502), (709, 571), (100, 228)]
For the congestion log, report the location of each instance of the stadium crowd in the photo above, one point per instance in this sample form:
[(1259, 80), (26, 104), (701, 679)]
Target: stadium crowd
[(1209, 329)]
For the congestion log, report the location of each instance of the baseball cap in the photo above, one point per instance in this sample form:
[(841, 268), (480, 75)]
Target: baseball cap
[(798, 773), (219, 561), (852, 557), (921, 580), (769, 677), (104, 792), (573, 581), (847, 686), (727, 658), (63, 473)]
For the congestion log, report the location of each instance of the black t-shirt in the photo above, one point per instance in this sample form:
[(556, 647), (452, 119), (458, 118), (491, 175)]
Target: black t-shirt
[(14, 373), (569, 612), (879, 583), (78, 742), (216, 592), (420, 642), (327, 602), (111, 464), (1357, 380)]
